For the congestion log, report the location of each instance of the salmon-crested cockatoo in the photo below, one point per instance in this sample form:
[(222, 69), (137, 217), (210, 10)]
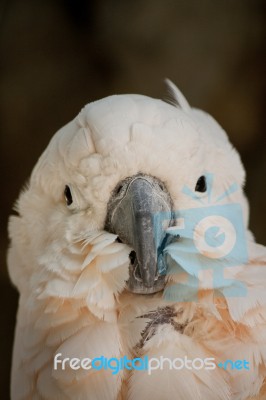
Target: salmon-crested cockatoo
[(131, 244)]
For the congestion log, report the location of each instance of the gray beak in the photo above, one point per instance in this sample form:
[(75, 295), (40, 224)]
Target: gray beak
[(133, 214)]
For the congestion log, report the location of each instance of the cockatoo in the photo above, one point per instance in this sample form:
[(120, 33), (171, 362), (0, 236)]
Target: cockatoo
[(106, 268)]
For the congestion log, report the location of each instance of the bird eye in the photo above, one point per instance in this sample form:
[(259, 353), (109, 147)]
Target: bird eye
[(201, 185), (68, 195)]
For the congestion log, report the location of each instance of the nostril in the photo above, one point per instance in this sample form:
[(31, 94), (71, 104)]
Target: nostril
[(118, 189), (132, 257), (118, 240)]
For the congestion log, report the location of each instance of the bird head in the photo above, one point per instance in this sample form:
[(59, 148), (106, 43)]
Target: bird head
[(92, 197)]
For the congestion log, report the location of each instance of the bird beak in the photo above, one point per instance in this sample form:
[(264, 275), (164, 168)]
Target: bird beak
[(133, 218)]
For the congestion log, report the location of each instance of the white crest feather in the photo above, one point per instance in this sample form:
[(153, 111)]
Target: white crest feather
[(176, 96)]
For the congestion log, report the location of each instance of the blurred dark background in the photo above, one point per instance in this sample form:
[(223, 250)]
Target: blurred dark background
[(58, 55)]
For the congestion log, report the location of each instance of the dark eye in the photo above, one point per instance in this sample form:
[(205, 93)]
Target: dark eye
[(201, 185), (68, 195)]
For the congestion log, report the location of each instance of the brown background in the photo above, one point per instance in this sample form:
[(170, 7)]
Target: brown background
[(58, 55)]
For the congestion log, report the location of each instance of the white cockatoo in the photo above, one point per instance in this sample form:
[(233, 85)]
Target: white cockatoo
[(106, 267)]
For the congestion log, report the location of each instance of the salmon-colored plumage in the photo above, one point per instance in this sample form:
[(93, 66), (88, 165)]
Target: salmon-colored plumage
[(71, 272)]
